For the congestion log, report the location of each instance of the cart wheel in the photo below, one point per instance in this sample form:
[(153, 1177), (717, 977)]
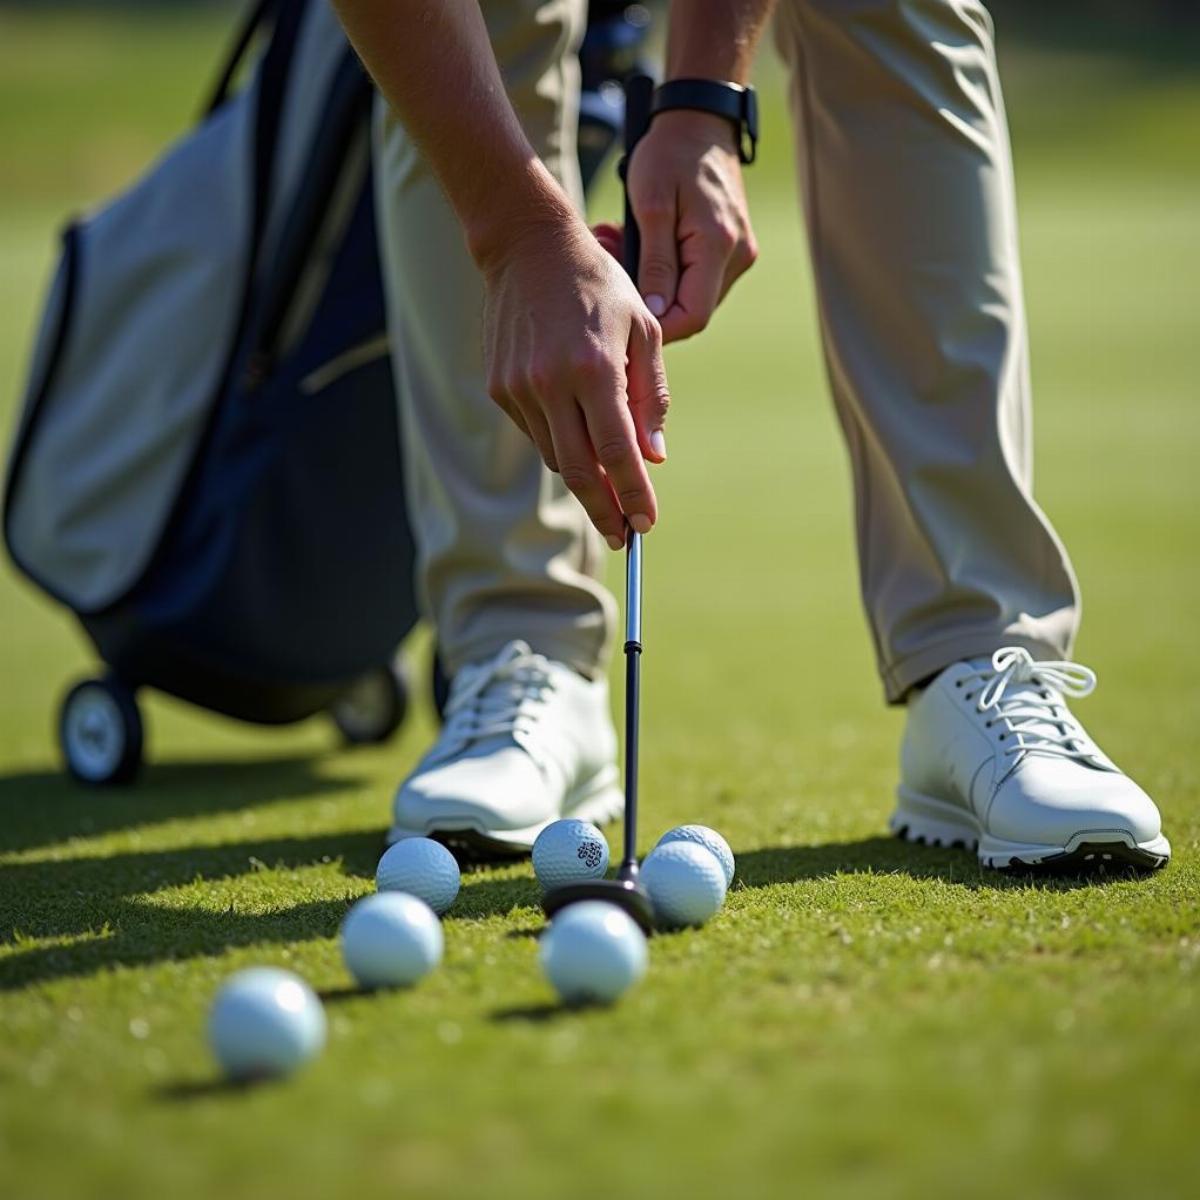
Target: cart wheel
[(374, 708), (100, 732)]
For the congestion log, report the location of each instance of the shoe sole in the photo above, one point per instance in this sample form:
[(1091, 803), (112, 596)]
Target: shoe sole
[(598, 800), (933, 822)]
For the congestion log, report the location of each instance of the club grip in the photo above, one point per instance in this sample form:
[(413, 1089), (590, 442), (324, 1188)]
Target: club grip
[(639, 91)]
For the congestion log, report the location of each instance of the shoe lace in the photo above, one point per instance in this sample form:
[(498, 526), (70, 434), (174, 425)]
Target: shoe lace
[(502, 697), (1028, 695)]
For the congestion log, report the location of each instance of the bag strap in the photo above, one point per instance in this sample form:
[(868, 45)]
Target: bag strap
[(272, 91), (347, 108), (252, 23)]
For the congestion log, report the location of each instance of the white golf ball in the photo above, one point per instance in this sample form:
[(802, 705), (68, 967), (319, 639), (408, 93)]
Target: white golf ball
[(686, 883), (593, 952), (710, 839), (265, 1022), (422, 868), (569, 851), (391, 939)]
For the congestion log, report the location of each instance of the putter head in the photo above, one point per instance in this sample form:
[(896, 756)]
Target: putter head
[(626, 894)]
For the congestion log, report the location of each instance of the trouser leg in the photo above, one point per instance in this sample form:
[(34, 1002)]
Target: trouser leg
[(906, 176), (504, 551)]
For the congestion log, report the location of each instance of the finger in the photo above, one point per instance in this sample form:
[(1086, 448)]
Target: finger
[(501, 394), (582, 475), (742, 259), (605, 403), (658, 263), (611, 237), (705, 255), (533, 419), (649, 396)]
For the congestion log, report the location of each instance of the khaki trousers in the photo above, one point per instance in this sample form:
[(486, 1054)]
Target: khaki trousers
[(906, 176)]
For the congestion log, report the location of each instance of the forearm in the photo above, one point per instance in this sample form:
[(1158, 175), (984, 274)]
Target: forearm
[(433, 63), (714, 39)]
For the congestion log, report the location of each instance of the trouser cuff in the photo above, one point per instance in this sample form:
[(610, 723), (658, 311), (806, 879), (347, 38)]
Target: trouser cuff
[(904, 674)]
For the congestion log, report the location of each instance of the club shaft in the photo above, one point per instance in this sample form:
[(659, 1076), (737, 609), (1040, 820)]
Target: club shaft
[(633, 679), (638, 93)]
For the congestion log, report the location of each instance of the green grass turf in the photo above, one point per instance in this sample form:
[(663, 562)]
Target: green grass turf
[(864, 1017)]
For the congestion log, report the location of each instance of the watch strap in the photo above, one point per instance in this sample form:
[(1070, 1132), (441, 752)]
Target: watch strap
[(730, 100)]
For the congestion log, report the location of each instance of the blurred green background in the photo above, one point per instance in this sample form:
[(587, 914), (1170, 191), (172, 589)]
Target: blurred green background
[(864, 1018)]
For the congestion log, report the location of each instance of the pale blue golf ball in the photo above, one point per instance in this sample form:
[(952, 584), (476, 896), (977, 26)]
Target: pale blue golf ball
[(265, 1022), (710, 839), (391, 939), (593, 952), (569, 851), (686, 884), (422, 868)]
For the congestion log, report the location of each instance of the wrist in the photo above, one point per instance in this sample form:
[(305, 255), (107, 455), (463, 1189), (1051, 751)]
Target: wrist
[(529, 202), (696, 127)]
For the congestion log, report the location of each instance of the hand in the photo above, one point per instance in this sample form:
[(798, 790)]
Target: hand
[(574, 357), (685, 183)]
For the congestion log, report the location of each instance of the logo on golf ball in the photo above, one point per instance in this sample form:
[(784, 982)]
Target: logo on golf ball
[(590, 853)]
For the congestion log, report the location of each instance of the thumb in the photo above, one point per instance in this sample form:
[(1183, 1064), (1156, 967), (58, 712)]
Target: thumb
[(658, 264), (649, 397)]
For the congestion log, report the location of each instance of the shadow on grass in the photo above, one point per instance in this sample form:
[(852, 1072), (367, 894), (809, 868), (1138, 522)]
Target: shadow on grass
[(187, 1090), (483, 898), (533, 1014), (108, 898), (893, 856), (133, 932), (43, 808)]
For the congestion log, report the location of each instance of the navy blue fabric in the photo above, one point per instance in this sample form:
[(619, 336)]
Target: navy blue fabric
[(292, 559)]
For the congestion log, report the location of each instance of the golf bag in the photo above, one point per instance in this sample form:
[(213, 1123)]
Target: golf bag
[(207, 465)]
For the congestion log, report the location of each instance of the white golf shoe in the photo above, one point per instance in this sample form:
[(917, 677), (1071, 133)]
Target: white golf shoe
[(993, 760), (526, 741)]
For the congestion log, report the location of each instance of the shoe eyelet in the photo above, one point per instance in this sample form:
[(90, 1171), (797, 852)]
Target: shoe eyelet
[(1003, 736), (958, 683)]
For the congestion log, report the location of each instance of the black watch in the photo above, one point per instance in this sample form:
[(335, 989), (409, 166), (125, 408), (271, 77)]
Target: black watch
[(730, 100)]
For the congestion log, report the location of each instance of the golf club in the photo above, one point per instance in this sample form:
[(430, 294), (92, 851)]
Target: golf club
[(625, 891)]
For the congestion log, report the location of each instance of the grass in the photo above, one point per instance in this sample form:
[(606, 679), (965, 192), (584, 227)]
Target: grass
[(864, 1018)]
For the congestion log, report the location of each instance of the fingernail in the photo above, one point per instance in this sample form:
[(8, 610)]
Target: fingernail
[(656, 304), (614, 542), (640, 523), (658, 443)]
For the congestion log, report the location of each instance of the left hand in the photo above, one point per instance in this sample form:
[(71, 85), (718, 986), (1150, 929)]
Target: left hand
[(685, 185)]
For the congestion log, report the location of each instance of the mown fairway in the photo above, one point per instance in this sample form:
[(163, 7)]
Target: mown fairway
[(864, 1016)]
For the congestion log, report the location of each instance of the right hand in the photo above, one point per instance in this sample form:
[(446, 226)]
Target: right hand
[(574, 357)]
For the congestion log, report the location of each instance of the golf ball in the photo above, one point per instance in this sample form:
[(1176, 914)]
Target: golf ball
[(686, 883), (265, 1022), (569, 851), (593, 952), (422, 868), (710, 839), (391, 939)]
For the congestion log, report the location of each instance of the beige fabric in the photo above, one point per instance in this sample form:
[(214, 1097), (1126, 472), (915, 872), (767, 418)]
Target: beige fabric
[(906, 175), (504, 551)]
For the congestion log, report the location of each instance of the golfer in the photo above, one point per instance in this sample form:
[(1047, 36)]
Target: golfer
[(535, 400)]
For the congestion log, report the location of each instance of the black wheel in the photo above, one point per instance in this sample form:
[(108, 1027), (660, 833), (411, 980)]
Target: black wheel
[(374, 708), (100, 732)]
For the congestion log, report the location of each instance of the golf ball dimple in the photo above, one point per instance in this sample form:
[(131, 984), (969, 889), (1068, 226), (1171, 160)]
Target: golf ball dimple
[(593, 952), (422, 868), (710, 839), (265, 1022), (391, 939), (569, 851), (686, 883)]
